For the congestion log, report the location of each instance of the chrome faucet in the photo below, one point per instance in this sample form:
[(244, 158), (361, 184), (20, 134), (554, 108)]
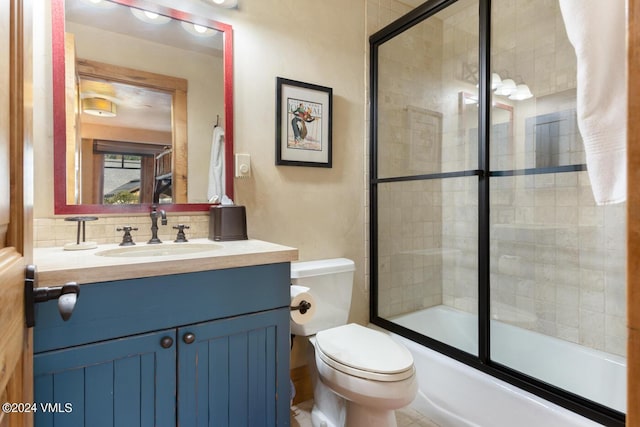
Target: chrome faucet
[(154, 223)]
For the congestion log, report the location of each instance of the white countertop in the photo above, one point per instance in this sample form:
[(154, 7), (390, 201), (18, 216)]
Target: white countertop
[(57, 266)]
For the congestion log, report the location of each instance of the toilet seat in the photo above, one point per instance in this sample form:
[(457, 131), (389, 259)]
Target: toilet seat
[(364, 353)]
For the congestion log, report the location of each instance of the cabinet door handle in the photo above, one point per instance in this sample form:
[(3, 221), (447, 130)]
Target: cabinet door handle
[(166, 342), (67, 296), (188, 338)]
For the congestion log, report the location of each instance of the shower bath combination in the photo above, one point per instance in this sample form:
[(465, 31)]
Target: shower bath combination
[(483, 218)]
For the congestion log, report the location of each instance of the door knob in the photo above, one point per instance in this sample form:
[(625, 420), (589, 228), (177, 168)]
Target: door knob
[(166, 342), (188, 338)]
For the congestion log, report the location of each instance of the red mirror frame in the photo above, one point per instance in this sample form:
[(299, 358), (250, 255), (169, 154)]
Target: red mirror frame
[(59, 112)]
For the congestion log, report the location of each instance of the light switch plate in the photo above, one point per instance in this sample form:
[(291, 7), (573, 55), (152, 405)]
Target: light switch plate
[(243, 165)]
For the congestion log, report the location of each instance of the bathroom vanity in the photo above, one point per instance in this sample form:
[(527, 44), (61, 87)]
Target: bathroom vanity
[(166, 339)]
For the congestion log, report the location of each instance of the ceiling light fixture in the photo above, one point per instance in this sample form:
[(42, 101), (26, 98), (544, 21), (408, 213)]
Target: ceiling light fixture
[(98, 107)]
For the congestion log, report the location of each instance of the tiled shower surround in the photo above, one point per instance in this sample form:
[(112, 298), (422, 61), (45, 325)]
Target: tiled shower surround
[(557, 261)]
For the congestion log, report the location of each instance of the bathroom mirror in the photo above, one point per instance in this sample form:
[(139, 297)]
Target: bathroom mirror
[(139, 92)]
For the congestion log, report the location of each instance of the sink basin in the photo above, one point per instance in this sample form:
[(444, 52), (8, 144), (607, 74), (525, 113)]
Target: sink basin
[(159, 250)]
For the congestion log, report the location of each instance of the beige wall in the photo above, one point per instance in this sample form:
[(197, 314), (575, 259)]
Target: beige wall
[(318, 210), (42, 112)]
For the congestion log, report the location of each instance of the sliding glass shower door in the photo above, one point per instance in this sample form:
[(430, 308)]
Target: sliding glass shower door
[(427, 190), (486, 242), (557, 259)]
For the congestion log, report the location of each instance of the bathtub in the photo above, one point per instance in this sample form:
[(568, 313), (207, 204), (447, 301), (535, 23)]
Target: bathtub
[(456, 395)]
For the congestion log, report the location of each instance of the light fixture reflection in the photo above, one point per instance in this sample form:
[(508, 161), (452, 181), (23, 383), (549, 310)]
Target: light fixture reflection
[(101, 4), (522, 92), (149, 17), (508, 86), (228, 4), (99, 107), (496, 81), (198, 30)]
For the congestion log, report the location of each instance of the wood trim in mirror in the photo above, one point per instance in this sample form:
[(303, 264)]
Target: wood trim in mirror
[(177, 87), (59, 114)]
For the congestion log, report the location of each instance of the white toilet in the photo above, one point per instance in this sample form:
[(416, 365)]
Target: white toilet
[(364, 375)]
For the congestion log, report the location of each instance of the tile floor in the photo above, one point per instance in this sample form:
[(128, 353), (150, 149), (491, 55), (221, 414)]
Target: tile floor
[(407, 417)]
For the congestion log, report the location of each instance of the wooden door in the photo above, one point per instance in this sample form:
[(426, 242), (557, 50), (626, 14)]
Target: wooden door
[(633, 215), (16, 366), (14, 339)]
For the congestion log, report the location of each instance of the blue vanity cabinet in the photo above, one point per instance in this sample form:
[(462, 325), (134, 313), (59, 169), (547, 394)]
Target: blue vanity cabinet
[(124, 382), (226, 374), (196, 349)]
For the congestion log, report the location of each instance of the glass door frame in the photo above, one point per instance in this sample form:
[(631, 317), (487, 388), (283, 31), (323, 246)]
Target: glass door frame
[(482, 361)]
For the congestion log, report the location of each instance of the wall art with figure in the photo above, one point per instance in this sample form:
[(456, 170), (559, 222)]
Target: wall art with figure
[(303, 124)]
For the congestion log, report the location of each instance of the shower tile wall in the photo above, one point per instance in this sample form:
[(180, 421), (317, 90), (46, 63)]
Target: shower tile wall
[(460, 152), (410, 82), (410, 276), (419, 124), (557, 263), (558, 260), (409, 255)]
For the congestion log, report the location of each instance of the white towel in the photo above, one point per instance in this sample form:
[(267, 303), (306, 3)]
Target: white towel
[(215, 191), (596, 29)]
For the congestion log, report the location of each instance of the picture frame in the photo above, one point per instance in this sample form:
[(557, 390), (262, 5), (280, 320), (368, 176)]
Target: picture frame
[(303, 124)]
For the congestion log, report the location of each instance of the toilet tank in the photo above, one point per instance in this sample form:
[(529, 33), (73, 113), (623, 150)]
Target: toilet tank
[(330, 282)]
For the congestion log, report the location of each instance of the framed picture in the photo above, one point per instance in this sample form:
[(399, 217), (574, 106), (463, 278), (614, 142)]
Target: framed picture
[(303, 124)]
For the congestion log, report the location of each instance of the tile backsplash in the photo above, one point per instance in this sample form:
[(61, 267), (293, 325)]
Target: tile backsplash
[(52, 232)]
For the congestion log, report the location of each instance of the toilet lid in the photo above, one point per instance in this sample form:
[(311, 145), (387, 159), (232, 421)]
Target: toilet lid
[(365, 353)]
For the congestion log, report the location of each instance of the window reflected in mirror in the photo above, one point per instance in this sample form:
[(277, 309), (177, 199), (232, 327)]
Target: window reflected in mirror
[(125, 172)]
